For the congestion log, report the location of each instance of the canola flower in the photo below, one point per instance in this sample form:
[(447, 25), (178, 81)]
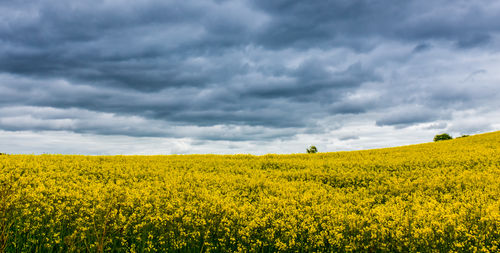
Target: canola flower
[(442, 197)]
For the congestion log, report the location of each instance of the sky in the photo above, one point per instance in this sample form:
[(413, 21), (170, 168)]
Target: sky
[(109, 77)]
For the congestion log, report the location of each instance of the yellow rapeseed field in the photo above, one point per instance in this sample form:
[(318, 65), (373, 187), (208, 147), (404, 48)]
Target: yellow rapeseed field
[(441, 197)]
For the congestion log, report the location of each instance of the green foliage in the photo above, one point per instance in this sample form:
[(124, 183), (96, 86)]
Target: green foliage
[(465, 135), (312, 150), (442, 137)]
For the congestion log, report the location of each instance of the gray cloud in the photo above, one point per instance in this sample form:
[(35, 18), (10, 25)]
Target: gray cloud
[(421, 47), (403, 117), (438, 125), (244, 70), (348, 137), (41, 119), (352, 23)]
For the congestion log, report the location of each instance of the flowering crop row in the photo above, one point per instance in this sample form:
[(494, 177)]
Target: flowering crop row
[(441, 196)]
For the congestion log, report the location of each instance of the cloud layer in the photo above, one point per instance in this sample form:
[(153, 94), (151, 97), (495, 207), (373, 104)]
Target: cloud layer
[(247, 73)]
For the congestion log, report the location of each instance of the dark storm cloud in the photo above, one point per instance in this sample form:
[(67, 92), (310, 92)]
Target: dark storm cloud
[(421, 47), (182, 106), (311, 81), (402, 117), (266, 65), (49, 119), (353, 23), (348, 137), (144, 46)]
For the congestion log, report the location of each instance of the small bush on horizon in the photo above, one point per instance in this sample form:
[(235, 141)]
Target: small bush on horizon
[(442, 137), (312, 150)]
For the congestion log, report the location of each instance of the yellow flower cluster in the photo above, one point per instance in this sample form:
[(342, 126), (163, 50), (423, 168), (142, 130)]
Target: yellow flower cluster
[(441, 196)]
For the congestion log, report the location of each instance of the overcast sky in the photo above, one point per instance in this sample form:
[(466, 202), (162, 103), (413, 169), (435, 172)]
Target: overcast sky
[(180, 77)]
